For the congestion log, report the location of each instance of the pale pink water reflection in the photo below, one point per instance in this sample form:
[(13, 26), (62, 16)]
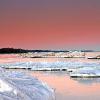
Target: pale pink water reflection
[(70, 89)]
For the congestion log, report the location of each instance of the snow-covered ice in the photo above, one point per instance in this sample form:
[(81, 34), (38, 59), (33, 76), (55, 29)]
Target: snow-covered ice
[(69, 65), (77, 66), (86, 72), (19, 86), (78, 69)]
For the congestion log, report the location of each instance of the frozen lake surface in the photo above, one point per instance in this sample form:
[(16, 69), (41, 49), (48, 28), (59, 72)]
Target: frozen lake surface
[(48, 63), (66, 88)]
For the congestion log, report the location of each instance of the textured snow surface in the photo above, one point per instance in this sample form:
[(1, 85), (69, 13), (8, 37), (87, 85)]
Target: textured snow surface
[(85, 72), (50, 65), (19, 86), (77, 67)]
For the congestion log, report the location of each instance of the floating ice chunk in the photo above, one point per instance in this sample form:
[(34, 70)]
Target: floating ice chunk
[(87, 81), (86, 72)]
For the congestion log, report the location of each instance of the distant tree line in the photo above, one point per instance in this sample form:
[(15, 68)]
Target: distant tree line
[(12, 50)]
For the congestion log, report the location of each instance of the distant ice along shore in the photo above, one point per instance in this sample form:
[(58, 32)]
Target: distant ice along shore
[(68, 54), (19, 86), (75, 64)]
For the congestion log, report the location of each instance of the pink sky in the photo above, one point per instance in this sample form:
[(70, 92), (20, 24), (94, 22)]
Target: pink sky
[(64, 24)]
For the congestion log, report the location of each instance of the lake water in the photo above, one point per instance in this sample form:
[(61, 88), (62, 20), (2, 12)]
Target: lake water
[(66, 88)]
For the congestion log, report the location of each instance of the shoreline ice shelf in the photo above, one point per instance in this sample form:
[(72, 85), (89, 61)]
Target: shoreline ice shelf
[(68, 54), (19, 86), (68, 65), (75, 68)]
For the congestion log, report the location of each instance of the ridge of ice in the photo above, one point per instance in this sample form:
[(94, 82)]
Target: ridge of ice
[(19, 86), (50, 65)]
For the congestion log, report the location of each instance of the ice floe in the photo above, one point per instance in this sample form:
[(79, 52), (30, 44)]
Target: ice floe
[(86, 72), (77, 68), (68, 65)]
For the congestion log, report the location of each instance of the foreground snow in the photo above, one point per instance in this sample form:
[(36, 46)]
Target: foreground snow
[(18, 86)]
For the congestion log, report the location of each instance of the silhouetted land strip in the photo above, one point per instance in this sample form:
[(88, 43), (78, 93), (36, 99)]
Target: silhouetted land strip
[(14, 50)]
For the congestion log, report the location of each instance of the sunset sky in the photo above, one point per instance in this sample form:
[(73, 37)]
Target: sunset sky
[(50, 24)]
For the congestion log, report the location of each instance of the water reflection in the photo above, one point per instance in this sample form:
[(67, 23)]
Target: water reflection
[(87, 81), (67, 88)]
